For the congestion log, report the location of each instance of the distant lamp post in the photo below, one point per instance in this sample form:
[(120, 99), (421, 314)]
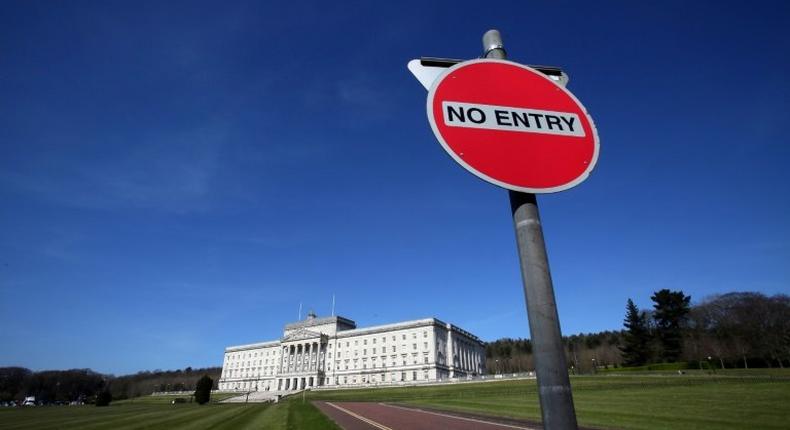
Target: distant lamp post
[(594, 366)]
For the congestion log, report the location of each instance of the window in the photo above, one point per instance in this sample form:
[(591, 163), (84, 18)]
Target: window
[(414, 335), (383, 349), (404, 336), (425, 334), (365, 341), (374, 350), (426, 360), (425, 345), (415, 346)]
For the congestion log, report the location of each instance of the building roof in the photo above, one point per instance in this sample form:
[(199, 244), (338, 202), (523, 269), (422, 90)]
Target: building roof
[(313, 321), (351, 329)]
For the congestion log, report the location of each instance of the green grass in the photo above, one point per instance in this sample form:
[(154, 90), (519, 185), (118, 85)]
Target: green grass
[(156, 414), (165, 400), (754, 399), (625, 402), (634, 371), (674, 367)]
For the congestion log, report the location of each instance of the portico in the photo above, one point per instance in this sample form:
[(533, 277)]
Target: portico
[(302, 360)]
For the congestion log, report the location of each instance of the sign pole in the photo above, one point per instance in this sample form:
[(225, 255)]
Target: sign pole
[(554, 387)]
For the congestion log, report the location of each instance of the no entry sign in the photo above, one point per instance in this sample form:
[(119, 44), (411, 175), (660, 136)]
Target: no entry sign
[(512, 126)]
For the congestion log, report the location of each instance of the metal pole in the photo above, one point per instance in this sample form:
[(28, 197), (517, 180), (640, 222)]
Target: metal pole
[(554, 386)]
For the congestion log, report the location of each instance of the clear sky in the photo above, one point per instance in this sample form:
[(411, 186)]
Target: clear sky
[(176, 177)]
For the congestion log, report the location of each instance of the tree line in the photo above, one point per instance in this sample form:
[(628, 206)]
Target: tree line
[(85, 385), (739, 329)]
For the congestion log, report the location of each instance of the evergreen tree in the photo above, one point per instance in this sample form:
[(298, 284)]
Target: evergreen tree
[(636, 339), (671, 309), (203, 390)]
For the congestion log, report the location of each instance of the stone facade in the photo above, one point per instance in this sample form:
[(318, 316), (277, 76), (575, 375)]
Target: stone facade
[(332, 351)]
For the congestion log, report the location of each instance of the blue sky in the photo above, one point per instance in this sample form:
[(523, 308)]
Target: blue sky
[(176, 177)]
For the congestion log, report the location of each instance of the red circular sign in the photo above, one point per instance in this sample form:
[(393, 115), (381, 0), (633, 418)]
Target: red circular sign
[(512, 126)]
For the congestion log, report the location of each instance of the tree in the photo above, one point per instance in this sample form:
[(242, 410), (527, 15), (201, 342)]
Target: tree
[(103, 398), (636, 339), (671, 309), (203, 390)]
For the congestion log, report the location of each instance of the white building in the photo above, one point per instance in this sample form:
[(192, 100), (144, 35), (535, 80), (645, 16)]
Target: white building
[(332, 351)]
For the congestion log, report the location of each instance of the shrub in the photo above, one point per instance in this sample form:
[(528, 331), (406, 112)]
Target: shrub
[(203, 390)]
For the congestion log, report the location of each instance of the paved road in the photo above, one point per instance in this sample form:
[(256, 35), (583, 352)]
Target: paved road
[(379, 416)]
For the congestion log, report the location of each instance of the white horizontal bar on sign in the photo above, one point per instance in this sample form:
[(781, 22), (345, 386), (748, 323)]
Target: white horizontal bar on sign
[(474, 115)]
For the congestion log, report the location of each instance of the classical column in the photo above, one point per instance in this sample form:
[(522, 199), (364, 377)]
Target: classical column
[(310, 358), (299, 356), (316, 357), (321, 357), (450, 350)]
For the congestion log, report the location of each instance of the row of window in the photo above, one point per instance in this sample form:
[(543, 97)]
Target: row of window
[(235, 356), (354, 364), (372, 379), (373, 340), (346, 380), (383, 350)]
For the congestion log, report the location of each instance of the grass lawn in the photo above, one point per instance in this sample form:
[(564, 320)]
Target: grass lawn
[(156, 413), (734, 400), (165, 400), (642, 401)]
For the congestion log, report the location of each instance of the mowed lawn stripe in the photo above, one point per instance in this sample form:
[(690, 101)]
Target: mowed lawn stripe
[(717, 406), (190, 417), (63, 417), (119, 416), (128, 417), (274, 417), (243, 418)]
